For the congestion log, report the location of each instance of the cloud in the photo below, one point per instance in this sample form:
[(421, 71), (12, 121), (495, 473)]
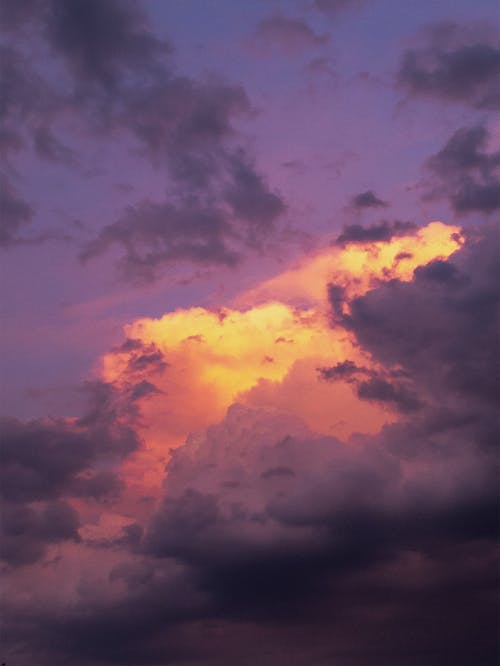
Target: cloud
[(383, 231), (288, 35), (441, 327), (263, 545), (375, 385), (250, 198), (155, 234), (102, 41), (467, 175), (27, 531), (46, 461), (457, 63), (27, 101), (270, 531), (117, 79), (367, 199)]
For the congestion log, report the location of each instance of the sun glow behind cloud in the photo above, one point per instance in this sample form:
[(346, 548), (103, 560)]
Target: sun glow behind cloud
[(264, 350)]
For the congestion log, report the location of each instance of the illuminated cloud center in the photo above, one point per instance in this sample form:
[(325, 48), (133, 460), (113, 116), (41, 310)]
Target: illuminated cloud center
[(264, 350)]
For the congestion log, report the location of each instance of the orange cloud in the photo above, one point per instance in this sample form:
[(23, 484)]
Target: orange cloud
[(265, 350), (356, 267)]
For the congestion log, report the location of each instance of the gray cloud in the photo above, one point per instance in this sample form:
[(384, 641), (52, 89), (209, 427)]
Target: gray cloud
[(47, 460), (381, 231), (367, 199), (120, 80), (456, 64), (466, 174), (27, 531), (155, 234)]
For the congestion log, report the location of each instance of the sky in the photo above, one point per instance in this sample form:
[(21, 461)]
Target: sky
[(250, 343)]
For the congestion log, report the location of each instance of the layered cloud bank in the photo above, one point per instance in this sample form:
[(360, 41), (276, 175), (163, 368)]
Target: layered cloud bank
[(296, 480)]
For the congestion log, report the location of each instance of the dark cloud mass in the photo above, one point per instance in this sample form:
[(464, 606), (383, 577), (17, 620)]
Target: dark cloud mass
[(467, 174), (456, 64), (325, 549), (47, 460), (382, 231), (26, 530)]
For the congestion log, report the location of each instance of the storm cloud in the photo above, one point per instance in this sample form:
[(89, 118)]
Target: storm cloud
[(265, 523)]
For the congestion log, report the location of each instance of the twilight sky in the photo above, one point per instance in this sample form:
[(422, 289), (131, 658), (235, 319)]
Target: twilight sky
[(250, 345)]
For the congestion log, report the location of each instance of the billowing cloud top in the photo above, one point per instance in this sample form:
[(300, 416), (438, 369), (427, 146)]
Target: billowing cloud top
[(345, 451)]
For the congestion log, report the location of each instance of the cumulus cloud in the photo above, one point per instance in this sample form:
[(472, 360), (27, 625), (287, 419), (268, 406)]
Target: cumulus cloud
[(266, 523), (467, 173), (456, 63)]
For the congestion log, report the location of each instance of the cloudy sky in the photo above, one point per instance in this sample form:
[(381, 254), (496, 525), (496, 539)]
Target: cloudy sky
[(250, 344)]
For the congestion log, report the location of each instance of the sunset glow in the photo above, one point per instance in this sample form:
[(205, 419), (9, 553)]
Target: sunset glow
[(250, 287)]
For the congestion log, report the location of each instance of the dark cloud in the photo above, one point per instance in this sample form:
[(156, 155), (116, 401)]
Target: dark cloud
[(102, 41), (382, 231), (146, 357), (27, 531), (282, 528), (286, 34), (466, 173), (367, 199), (142, 390), (383, 387), (15, 213), (441, 328), (119, 80), (185, 123), (455, 64), (381, 390), (250, 198), (47, 460), (153, 235), (344, 370)]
